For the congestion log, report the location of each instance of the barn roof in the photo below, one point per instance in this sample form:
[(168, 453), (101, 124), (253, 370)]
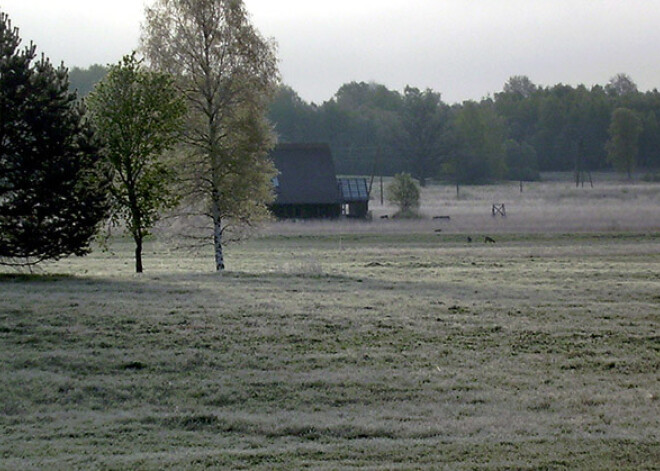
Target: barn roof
[(306, 174), (353, 189)]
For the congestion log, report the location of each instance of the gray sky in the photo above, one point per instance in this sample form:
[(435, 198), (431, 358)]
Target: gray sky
[(465, 49)]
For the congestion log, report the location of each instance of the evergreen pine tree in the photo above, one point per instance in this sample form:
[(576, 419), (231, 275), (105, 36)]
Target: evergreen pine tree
[(52, 196)]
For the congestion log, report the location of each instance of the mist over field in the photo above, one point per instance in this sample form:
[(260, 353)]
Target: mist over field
[(554, 205)]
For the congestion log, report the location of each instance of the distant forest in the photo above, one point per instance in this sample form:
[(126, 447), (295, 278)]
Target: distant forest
[(521, 131)]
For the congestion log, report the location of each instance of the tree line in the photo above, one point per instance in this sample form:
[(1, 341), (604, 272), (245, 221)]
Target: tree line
[(520, 131)]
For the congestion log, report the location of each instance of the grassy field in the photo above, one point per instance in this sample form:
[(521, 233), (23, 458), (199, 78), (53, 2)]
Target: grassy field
[(370, 347)]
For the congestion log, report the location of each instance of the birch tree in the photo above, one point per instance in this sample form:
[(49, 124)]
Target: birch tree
[(228, 73)]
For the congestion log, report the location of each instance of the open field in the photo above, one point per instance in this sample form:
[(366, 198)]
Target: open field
[(393, 347), (554, 205)]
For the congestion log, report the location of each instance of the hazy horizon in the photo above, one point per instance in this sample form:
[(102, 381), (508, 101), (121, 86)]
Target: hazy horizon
[(464, 50)]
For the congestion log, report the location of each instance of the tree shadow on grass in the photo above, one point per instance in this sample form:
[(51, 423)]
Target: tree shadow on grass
[(34, 277)]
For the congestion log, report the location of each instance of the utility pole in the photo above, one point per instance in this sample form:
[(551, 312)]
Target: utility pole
[(382, 198)]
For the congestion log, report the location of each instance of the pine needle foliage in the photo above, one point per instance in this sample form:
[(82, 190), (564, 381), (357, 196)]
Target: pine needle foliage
[(52, 194)]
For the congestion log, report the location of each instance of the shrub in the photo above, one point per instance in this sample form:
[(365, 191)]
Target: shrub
[(404, 192)]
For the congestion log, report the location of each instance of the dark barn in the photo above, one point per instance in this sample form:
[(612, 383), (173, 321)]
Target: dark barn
[(307, 186)]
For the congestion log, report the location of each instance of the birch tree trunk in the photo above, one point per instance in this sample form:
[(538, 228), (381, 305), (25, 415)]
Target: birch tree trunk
[(217, 238)]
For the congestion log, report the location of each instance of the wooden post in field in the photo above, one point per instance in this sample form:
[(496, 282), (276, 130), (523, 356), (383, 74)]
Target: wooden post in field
[(374, 169), (382, 197), (498, 209)]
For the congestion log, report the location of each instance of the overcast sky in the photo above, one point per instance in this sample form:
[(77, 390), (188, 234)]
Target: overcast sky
[(465, 49)]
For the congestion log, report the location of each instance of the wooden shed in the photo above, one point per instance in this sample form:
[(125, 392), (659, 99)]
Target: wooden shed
[(306, 186), (355, 197)]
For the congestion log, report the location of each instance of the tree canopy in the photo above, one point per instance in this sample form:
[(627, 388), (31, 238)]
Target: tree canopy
[(52, 194), (421, 132), (83, 80), (622, 147)]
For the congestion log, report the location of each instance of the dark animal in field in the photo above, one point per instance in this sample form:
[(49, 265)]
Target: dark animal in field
[(446, 218), (469, 239), (385, 217), (489, 240), (437, 231)]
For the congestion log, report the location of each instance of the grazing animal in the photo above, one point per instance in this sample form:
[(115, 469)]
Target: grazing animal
[(437, 231), (469, 239), (385, 217), (489, 240)]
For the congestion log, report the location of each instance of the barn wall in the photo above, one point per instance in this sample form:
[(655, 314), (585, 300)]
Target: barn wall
[(306, 211)]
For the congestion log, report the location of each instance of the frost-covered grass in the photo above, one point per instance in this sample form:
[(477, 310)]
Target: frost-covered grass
[(348, 346), (377, 351)]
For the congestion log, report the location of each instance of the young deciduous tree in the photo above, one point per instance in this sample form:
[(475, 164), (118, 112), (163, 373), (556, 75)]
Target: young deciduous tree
[(625, 129), (138, 114), (228, 74), (403, 192), (52, 196)]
